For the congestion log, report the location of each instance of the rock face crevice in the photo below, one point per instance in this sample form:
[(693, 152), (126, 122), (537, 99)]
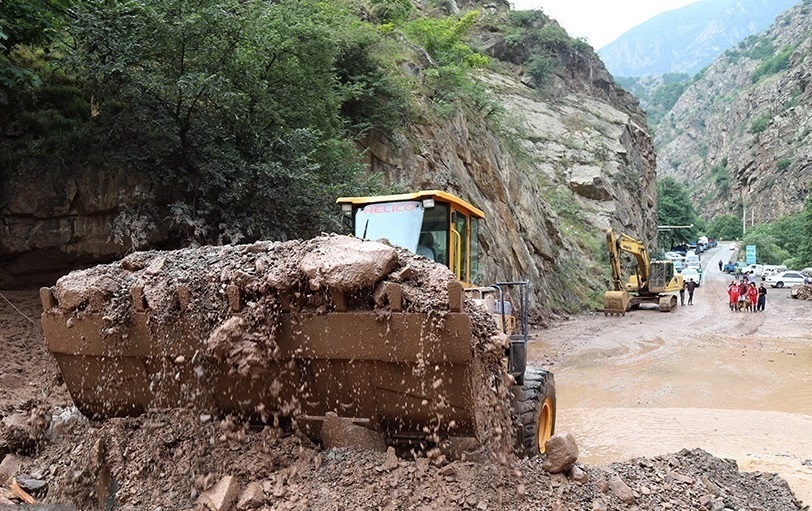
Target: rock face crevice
[(564, 163), (741, 136)]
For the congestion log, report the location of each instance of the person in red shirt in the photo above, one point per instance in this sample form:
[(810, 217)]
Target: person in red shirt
[(743, 293), (733, 293), (752, 297)]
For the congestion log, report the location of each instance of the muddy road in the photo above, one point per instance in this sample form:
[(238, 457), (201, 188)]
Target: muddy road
[(738, 385)]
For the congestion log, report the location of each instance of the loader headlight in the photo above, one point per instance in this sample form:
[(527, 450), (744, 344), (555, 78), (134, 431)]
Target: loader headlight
[(428, 203), (346, 207)]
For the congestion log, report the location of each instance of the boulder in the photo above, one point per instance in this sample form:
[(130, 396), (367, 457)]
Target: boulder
[(346, 264), (9, 467), (561, 453), (340, 432), (252, 497), (221, 496), (590, 181), (621, 489)]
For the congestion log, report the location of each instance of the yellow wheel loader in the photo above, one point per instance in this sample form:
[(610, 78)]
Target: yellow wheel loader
[(444, 228), (288, 332), (651, 281)]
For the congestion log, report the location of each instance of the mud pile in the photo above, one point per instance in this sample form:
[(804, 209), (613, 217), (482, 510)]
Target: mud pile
[(178, 460), (172, 459), (801, 292)]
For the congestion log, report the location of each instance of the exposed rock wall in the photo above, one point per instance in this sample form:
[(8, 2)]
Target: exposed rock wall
[(586, 164), (757, 135), (51, 222)]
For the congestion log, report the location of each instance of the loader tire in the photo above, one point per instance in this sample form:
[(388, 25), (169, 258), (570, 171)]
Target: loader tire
[(534, 406)]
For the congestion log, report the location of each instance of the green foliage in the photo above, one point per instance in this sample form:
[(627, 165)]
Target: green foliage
[(443, 39), (391, 11), (240, 103), (665, 96), (760, 124), (803, 254), (721, 177), (527, 19), (540, 68), (542, 43), (777, 242), (767, 249), (725, 227), (674, 207), (25, 24), (760, 48), (774, 65), (783, 164)]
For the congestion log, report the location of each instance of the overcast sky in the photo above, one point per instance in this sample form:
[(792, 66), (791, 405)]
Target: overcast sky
[(600, 21)]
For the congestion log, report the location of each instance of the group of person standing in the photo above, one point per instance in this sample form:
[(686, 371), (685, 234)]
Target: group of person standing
[(689, 287), (744, 295)]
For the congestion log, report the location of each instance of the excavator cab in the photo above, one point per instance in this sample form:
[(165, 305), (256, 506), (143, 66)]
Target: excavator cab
[(431, 223)]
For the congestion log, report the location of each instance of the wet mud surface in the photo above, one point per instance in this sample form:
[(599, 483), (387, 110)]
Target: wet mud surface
[(734, 384)]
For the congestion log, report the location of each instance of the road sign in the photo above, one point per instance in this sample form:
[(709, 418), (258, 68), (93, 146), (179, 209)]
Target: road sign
[(750, 254)]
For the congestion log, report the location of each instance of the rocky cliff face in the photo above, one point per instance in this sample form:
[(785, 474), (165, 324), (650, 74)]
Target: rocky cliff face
[(740, 135), (586, 163), (564, 164)]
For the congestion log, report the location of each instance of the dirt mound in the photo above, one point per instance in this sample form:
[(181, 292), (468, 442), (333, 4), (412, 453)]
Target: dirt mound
[(801, 292), (167, 460)]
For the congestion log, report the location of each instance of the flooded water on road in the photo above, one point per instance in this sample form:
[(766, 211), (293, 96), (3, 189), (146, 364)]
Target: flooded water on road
[(738, 385)]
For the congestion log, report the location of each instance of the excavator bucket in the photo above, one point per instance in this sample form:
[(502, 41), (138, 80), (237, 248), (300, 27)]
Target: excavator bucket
[(273, 332), (615, 302)]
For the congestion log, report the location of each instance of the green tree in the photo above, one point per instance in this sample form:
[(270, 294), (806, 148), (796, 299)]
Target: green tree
[(725, 227), (26, 23), (239, 102), (674, 207), (803, 256), (768, 250)]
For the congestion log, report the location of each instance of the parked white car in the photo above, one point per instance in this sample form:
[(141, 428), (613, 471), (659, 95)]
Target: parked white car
[(772, 269), (691, 273), (785, 278), (757, 269)]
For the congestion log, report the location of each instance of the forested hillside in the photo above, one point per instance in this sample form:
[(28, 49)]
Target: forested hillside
[(132, 124)]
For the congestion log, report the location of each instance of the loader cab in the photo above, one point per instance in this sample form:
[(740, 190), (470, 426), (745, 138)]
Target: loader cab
[(432, 223)]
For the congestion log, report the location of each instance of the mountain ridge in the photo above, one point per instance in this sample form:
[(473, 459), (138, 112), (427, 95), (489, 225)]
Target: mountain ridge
[(703, 30)]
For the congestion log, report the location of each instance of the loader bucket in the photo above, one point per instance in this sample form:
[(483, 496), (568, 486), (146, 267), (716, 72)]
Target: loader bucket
[(253, 353)]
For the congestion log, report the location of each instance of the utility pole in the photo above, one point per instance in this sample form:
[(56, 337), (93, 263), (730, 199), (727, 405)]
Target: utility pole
[(744, 220)]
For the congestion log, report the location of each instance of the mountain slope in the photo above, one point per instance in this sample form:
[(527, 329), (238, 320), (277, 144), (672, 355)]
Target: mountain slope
[(687, 39), (740, 135)]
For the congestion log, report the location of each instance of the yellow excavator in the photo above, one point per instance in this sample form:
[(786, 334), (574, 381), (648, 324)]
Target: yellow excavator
[(262, 332), (652, 282)]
